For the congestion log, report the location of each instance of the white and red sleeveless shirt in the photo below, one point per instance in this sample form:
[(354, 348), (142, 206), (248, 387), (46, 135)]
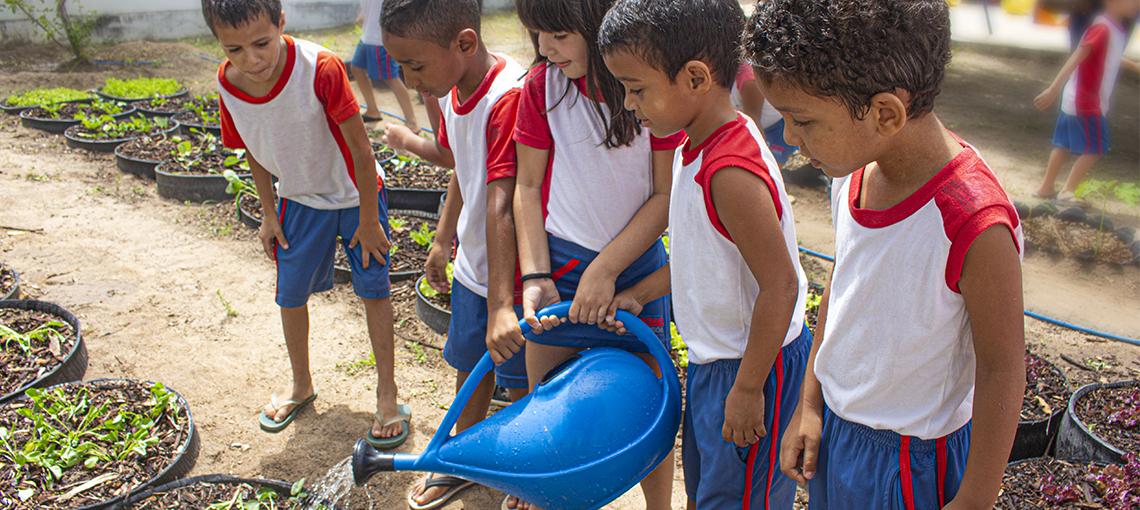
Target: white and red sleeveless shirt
[(1090, 87), (478, 132), (897, 351), (294, 131), (590, 192), (713, 290)]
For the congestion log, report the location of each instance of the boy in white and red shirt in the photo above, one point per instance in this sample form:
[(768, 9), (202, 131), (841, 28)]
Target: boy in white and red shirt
[(289, 104), (1088, 78), (479, 90), (913, 387), (737, 286)]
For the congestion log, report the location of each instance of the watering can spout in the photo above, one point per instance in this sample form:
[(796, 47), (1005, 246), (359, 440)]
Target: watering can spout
[(367, 461)]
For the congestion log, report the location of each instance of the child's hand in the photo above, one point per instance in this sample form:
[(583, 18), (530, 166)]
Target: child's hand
[(1045, 99), (504, 337), (800, 447), (373, 243), (271, 237), (593, 298), (396, 136), (539, 294), (744, 415), (624, 300), (435, 268)]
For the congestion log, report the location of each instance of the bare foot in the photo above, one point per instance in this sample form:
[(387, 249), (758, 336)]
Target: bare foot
[(277, 410), (514, 503)]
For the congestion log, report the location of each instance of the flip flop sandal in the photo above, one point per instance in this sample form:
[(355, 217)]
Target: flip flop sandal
[(272, 426), (404, 418), (453, 485)]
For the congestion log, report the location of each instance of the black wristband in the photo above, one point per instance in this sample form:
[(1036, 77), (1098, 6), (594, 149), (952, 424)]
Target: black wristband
[(534, 276)]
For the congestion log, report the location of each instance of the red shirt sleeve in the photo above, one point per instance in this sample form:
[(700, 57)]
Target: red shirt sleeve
[(669, 143), (981, 221), (744, 75), (705, 176), (501, 160), (531, 128), (441, 136), (230, 136), (1096, 36), (333, 88)]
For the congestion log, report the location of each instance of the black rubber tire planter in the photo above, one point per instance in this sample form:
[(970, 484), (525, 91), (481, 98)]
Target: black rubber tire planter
[(186, 127), (434, 316), (135, 166), (13, 110), (57, 126), (1035, 438), (416, 199), (14, 292), (198, 188), (180, 93), (106, 146), (74, 365), (1078, 214), (246, 218), (1076, 443)]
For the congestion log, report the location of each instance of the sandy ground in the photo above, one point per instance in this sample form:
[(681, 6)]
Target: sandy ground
[(150, 278)]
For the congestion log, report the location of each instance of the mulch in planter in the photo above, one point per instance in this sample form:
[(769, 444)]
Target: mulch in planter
[(66, 111), (191, 118), (171, 427), (1045, 482), (1045, 390), (17, 368), (252, 206), (168, 106), (416, 175), (151, 148), (1076, 240), (207, 163), (82, 133), (7, 283), (202, 495), (1113, 414)]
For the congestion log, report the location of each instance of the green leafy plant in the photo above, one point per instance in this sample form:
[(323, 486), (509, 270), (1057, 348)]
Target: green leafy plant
[(97, 107), (424, 236), (67, 30), (41, 97), (427, 290), (141, 88), (397, 223), (205, 109), (46, 333), (1103, 191), (680, 350), (106, 127)]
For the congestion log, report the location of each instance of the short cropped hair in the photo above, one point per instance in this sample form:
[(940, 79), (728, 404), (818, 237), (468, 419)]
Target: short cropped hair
[(236, 13), (437, 21), (853, 49), (668, 33)]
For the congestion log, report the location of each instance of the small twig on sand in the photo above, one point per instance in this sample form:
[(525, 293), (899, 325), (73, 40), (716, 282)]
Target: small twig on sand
[(1077, 364), (21, 229)]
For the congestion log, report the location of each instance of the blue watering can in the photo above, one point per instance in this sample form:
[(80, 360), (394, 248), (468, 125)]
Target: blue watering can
[(591, 430)]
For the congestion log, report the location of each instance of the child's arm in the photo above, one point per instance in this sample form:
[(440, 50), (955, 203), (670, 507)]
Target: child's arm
[(991, 287), (752, 100), (399, 137), (1045, 99), (748, 211), (369, 234), (596, 289), (504, 338), (633, 299), (534, 252), (435, 268), (799, 449), (270, 231)]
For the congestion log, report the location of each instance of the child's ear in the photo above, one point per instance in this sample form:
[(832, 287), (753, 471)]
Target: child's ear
[(468, 41), (698, 77), (888, 111), (281, 21)]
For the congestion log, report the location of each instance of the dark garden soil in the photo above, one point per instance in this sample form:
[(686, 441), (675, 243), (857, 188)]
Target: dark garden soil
[(1045, 390), (252, 206), (382, 152), (122, 400), (205, 163), (67, 111), (1047, 483), (1114, 415), (169, 106), (1076, 240), (440, 300), (81, 132), (191, 118), (48, 351), (206, 495), (416, 175), (7, 282), (150, 148)]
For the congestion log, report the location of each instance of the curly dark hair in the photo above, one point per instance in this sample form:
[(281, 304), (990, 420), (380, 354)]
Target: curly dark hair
[(853, 49), (236, 13), (584, 17), (668, 33), (437, 21)]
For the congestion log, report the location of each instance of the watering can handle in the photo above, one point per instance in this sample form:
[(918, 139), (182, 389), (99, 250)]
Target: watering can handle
[(632, 324)]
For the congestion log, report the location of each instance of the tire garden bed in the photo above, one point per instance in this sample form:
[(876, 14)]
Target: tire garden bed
[(57, 118), (9, 283), (162, 107), (200, 115), (107, 133), (414, 184), (411, 237), (1103, 423), (1047, 483), (41, 344), (212, 492), (89, 445), (433, 307), (1075, 233), (1042, 408), (138, 89), (17, 103), (142, 155), (196, 172)]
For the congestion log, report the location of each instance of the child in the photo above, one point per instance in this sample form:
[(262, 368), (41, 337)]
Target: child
[(439, 44), (1081, 128), (372, 62), (321, 158), (748, 99), (737, 285), (920, 331), (592, 195)]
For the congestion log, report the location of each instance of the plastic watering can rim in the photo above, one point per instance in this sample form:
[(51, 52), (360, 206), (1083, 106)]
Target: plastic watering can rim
[(633, 324)]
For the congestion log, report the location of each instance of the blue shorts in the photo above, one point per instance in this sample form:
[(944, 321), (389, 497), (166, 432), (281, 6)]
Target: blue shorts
[(774, 137), (467, 338), (307, 266), (569, 261), (376, 61), (720, 475), (860, 467), (1081, 134)]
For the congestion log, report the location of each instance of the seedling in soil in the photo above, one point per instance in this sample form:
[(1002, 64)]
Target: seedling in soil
[(434, 295), (31, 343), (417, 351), (680, 350), (141, 87), (203, 110), (230, 312), (73, 111), (424, 236), (105, 127), (40, 97), (47, 333), (1102, 192)]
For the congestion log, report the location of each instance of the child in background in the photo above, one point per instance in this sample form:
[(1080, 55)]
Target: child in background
[(748, 99), (592, 195), (311, 137), (913, 387), (1088, 78), (438, 43), (734, 272), (372, 62)]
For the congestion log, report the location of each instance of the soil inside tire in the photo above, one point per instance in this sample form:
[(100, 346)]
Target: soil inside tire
[(17, 368), (170, 106), (250, 205), (1046, 391), (191, 118), (415, 175), (1076, 240), (1113, 414), (201, 495), (79, 131), (69, 111), (150, 148), (170, 428), (1045, 482), (207, 163)]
